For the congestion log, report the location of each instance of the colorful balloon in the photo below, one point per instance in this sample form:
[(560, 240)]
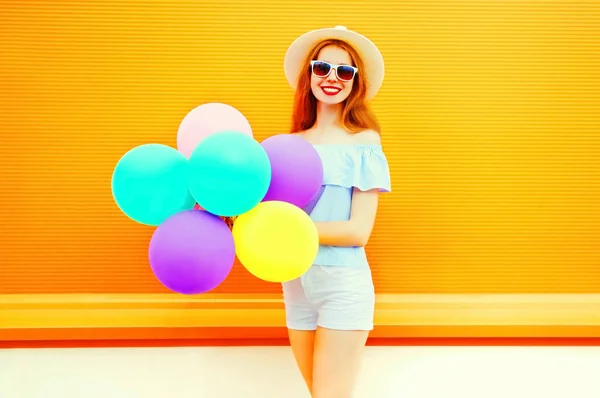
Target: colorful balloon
[(229, 173), (276, 241), (149, 184), (297, 169), (206, 120), (192, 252)]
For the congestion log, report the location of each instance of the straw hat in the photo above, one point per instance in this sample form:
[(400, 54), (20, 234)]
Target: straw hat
[(373, 69)]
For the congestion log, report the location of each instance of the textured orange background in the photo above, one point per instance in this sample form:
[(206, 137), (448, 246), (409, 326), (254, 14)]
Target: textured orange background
[(490, 114)]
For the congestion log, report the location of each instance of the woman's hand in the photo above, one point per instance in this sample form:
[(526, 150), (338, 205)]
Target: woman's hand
[(229, 221)]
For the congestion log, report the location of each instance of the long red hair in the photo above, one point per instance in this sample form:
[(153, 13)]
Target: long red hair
[(356, 115)]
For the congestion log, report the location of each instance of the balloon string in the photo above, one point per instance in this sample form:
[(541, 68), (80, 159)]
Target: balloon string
[(228, 220)]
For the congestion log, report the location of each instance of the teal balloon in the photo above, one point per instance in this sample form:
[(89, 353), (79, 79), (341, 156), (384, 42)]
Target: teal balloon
[(229, 173), (149, 184)]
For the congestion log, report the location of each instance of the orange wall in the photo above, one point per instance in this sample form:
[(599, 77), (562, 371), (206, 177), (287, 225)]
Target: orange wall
[(489, 111)]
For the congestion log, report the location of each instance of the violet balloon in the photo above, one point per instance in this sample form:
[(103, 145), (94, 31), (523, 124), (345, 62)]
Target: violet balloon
[(192, 252), (296, 167)]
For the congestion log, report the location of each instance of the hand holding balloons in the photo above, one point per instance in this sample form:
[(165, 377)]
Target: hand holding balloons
[(221, 171)]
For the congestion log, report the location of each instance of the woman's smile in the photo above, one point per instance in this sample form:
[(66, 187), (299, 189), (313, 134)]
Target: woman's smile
[(330, 90)]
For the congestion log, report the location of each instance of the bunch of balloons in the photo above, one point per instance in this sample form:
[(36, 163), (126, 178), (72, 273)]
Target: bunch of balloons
[(219, 170)]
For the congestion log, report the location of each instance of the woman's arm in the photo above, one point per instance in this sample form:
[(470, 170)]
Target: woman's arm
[(357, 230)]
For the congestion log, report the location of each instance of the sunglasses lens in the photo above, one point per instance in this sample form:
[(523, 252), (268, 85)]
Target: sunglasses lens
[(345, 72), (321, 68)]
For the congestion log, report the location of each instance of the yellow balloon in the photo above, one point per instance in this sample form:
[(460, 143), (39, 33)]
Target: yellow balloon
[(275, 241)]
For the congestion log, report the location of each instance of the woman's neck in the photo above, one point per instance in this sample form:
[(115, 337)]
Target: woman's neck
[(328, 116)]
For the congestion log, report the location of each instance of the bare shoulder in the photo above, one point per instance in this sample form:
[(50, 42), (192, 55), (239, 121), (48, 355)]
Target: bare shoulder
[(367, 137)]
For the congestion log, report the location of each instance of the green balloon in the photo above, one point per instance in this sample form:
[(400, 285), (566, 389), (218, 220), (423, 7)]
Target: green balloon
[(149, 184), (229, 173)]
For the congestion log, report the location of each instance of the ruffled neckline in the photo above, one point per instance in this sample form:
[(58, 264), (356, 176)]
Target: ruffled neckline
[(343, 145), (354, 165), (349, 145)]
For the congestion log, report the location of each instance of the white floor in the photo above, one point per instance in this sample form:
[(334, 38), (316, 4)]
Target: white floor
[(269, 372)]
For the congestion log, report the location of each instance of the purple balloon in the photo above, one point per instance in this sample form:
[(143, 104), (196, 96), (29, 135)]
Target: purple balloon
[(192, 252), (296, 169)]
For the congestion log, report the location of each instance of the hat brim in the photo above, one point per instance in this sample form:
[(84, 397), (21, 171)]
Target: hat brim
[(373, 68)]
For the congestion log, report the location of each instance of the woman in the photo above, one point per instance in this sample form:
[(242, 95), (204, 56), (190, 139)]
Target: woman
[(329, 310)]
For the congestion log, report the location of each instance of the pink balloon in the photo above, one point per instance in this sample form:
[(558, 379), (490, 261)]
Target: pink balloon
[(208, 119)]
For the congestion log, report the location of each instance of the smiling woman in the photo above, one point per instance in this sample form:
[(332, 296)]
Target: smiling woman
[(489, 126), (327, 61)]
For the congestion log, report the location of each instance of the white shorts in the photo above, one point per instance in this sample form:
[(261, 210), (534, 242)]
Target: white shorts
[(333, 297)]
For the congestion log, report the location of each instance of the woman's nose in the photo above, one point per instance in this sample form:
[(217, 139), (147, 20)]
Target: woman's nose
[(332, 77)]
